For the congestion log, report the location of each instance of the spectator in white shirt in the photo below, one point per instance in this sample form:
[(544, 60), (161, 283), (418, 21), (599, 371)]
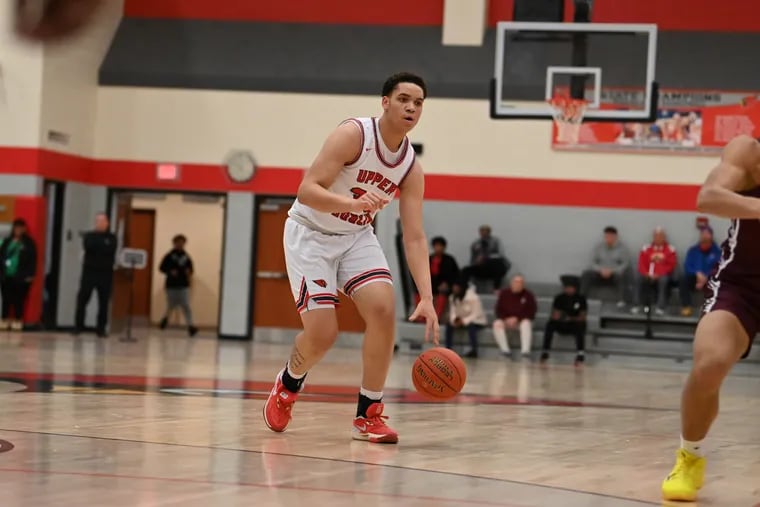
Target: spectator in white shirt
[(465, 312)]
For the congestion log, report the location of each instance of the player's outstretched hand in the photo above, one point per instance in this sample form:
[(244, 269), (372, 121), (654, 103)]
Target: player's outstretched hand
[(426, 310), (369, 202)]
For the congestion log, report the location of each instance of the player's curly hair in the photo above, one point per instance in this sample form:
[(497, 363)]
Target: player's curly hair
[(403, 77)]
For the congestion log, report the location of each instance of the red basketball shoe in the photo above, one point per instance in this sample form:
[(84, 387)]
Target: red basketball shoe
[(373, 428), (278, 406)]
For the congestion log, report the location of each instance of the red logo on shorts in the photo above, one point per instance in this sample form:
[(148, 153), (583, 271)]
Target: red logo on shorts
[(321, 283)]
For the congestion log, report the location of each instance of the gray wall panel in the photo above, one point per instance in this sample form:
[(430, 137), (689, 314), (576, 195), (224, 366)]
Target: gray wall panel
[(545, 241), (236, 279), (20, 184), (316, 58)]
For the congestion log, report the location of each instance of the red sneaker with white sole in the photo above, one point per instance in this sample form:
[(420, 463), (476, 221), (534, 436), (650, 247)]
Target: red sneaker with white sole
[(278, 406), (373, 428)]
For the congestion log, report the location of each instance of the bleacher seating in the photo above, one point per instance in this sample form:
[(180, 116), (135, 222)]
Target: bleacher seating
[(611, 330), (414, 333)]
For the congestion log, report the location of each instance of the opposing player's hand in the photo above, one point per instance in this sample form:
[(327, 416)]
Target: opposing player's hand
[(426, 310), (369, 202)]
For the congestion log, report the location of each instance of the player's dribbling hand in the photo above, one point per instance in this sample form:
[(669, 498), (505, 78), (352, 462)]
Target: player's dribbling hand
[(369, 202), (426, 310)]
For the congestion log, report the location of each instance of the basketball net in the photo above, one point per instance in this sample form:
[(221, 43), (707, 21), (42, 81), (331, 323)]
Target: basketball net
[(568, 117)]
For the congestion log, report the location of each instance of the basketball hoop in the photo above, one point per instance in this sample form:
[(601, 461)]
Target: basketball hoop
[(568, 117)]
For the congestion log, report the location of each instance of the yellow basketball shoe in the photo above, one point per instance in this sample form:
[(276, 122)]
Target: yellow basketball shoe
[(686, 478)]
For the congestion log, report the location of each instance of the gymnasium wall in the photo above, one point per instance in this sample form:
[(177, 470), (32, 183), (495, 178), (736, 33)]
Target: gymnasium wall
[(286, 130), (730, 15), (20, 85), (353, 59), (543, 242), (201, 223), (69, 84)]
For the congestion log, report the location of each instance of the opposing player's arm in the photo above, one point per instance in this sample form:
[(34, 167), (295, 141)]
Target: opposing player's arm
[(341, 147), (718, 195), (415, 240)]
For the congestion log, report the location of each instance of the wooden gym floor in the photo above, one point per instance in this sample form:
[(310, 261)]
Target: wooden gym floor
[(171, 421)]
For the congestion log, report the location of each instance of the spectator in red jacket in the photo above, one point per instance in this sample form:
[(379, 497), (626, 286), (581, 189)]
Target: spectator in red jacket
[(515, 311), (657, 264)]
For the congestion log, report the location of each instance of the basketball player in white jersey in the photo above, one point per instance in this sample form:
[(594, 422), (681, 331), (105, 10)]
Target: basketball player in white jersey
[(330, 245)]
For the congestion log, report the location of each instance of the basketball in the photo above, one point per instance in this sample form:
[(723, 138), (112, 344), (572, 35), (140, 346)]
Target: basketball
[(439, 374), (48, 20)]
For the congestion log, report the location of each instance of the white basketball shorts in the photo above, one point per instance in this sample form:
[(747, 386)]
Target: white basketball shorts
[(321, 264)]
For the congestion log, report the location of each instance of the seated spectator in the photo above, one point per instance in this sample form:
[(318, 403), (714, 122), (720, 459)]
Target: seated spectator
[(701, 259), (444, 271), (515, 311), (465, 312), (657, 264), (487, 259), (610, 263), (568, 317)]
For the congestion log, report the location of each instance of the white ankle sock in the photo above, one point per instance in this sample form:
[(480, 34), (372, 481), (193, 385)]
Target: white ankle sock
[(294, 375), (694, 448), (372, 395)]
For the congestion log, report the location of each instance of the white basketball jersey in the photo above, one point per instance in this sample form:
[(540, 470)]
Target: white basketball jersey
[(376, 169)]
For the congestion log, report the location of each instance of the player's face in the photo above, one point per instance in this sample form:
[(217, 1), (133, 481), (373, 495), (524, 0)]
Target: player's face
[(404, 106), (659, 238)]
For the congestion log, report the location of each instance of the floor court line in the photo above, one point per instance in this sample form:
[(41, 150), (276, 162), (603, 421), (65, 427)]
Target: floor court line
[(354, 492), (319, 458)]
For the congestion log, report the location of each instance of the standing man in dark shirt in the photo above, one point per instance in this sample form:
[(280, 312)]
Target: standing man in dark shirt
[(568, 317), (178, 268), (97, 273)]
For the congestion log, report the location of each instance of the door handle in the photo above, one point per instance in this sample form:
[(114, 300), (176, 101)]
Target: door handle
[(272, 275)]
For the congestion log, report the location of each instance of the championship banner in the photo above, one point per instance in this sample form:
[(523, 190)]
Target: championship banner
[(688, 122)]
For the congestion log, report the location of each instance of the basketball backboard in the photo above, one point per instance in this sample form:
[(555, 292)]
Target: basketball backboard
[(612, 66)]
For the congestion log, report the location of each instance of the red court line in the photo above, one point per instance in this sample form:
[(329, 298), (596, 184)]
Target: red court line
[(100, 475)]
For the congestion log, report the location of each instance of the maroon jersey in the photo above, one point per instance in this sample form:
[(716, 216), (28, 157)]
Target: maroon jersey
[(734, 286), (740, 252)]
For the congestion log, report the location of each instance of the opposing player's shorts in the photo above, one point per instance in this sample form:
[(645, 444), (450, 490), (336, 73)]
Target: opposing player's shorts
[(320, 264), (740, 299)]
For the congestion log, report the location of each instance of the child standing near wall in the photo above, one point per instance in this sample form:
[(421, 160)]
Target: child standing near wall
[(178, 268)]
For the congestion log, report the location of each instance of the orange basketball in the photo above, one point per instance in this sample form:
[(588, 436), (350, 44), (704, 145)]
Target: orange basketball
[(439, 374)]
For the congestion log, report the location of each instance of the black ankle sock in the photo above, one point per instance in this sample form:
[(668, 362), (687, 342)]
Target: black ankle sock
[(292, 384), (363, 405)]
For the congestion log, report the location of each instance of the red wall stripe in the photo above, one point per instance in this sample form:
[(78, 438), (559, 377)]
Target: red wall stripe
[(500, 10), (285, 181), (387, 12), (697, 15)]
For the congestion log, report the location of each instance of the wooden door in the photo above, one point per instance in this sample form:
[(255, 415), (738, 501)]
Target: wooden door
[(142, 228), (273, 304)]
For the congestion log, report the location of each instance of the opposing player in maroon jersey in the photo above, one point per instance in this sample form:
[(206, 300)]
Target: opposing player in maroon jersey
[(731, 313)]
